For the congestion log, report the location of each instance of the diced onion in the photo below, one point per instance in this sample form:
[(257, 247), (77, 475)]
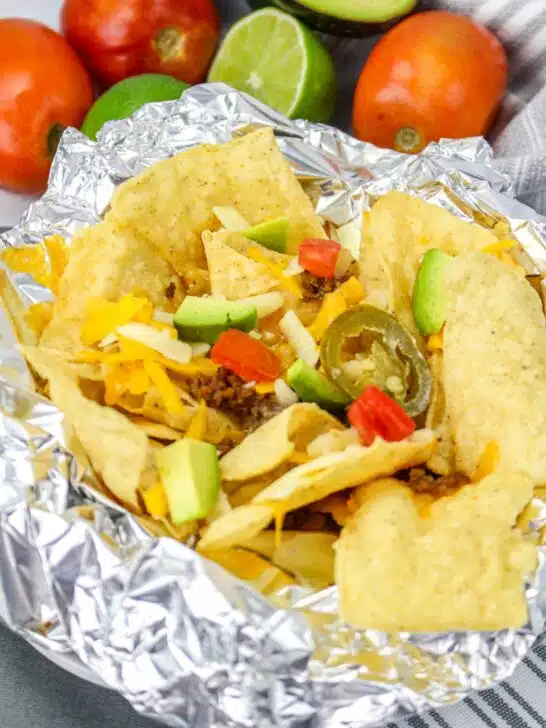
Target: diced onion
[(350, 237), (255, 334), (159, 341), (163, 317), (299, 338), (231, 219), (264, 303), (108, 340), (293, 268), (344, 260), (285, 396), (200, 349)]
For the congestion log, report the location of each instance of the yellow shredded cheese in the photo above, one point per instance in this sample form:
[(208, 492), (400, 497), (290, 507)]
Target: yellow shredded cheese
[(435, 342), (265, 387), (289, 283), (333, 305), (299, 458), (198, 426), (352, 291), (104, 317), (488, 461), (155, 500), (166, 388), (499, 246)]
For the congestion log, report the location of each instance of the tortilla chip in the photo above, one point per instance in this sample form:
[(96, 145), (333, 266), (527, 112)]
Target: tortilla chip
[(276, 440), (402, 228), (156, 429), (233, 275), (372, 273), (314, 481), (355, 465), (250, 567), (442, 461), (236, 527), (107, 261), (464, 563), (116, 448), (494, 366), (309, 556), (171, 204)]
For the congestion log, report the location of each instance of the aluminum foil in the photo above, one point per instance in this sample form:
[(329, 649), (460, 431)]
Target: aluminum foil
[(185, 642)]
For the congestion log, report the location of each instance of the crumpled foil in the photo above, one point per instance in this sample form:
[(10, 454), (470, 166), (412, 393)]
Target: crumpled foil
[(185, 642)]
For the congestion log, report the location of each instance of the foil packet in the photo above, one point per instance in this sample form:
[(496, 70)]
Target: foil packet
[(184, 641)]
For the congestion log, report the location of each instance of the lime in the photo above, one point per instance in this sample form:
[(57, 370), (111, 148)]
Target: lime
[(125, 97), (275, 58)]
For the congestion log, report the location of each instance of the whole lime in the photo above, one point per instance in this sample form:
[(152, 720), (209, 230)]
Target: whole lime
[(125, 97)]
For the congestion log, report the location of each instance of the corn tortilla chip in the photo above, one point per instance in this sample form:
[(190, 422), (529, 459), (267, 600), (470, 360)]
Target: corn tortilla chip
[(171, 204), (252, 568), (107, 261), (314, 481), (233, 275), (402, 228), (456, 564), (116, 448), (276, 440), (442, 461), (494, 366)]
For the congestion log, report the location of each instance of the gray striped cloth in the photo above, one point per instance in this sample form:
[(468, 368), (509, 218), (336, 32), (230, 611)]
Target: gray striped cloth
[(520, 144)]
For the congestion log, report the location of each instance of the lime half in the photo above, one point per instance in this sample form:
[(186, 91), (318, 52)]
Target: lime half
[(275, 58), (125, 97)]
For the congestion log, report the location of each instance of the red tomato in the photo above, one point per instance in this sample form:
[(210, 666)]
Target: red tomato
[(43, 89), (122, 38), (245, 356), (375, 414), (319, 257), (434, 75)]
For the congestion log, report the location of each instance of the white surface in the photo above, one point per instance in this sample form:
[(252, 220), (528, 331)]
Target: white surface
[(47, 11)]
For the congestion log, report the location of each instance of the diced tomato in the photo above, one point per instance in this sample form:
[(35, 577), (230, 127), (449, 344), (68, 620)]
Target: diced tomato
[(375, 414), (319, 257), (247, 357)]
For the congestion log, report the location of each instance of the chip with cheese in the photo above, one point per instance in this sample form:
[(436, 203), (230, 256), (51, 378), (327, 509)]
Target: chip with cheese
[(458, 563)]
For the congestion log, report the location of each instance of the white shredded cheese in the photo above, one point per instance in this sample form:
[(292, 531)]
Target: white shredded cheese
[(299, 338), (160, 341), (285, 396), (231, 219)]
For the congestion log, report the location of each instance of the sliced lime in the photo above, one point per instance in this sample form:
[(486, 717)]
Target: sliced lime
[(272, 234), (275, 58)]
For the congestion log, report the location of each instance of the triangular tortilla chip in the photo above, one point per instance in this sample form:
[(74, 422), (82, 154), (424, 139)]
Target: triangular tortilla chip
[(171, 204), (232, 274), (117, 449), (316, 480), (405, 564), (402, 228), (495, 365), (107, 261), (276, 440)]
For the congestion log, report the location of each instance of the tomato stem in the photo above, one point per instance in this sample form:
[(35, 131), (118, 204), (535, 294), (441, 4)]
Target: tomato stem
[(53, 138), (169, 43), (409, 140)]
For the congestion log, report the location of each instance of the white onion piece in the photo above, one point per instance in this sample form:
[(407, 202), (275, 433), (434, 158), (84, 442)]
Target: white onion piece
[(159, 341), (264, 303), (163, 317), (108, 340), (200, 349), (299, 338), (231, 219), (344, 260), (285, 396), (350, 237), (293, 268)]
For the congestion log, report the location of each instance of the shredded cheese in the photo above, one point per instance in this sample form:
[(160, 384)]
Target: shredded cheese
[(289, 283), (264, 387), (488, 461), (198, 426), (352, 291), (333, 305), (160, 341), (155, 500), (104, 317), (166, 388), (435, 342)]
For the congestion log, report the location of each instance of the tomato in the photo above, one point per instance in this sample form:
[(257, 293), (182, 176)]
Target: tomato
[(122, 38), (43, 88), (319, 257), (436, 74), (247, 357), (375, 414)]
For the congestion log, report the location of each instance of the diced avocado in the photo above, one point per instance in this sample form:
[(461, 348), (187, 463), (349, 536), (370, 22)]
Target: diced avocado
[(344, 17), (429, 297), (190, 474), (312, 386), (272, 234), (204, 319)]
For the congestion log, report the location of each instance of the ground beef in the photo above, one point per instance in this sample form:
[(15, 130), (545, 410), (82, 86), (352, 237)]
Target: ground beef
[(423, 482), (226, 391), (314, 288)]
